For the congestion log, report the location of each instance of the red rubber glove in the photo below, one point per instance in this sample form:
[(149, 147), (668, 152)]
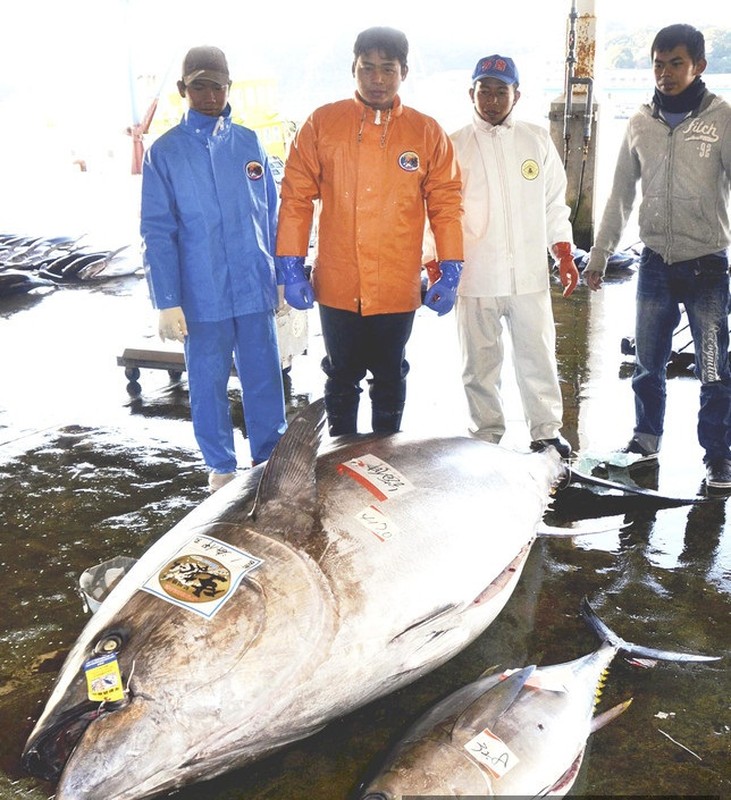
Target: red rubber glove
[(567, 269), (433, 272)]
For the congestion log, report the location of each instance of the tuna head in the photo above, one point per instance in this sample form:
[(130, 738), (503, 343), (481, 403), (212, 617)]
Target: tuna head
[(185, 667), (198, 694)]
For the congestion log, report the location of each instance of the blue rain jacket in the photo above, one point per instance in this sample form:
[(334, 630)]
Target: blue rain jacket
[(208, 220)]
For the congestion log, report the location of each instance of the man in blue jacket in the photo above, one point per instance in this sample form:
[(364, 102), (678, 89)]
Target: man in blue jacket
[(208, 224)]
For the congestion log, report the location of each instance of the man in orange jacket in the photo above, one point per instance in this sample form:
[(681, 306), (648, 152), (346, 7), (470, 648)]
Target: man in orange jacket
[(377, 170)]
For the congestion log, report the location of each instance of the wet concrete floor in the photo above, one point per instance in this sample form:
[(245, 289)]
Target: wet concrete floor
[(89, 470)]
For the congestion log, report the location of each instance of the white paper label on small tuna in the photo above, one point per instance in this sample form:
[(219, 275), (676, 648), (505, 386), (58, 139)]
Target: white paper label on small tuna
[(375, 521), (380, 478), (202, 575), (103, 679), (492, 751)]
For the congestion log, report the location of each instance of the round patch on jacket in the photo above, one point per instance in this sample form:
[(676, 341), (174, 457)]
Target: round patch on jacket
[(409, 161), (254, 171), (529, 169)]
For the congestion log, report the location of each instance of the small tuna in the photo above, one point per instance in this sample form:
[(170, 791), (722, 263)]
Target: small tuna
[(521, 733)]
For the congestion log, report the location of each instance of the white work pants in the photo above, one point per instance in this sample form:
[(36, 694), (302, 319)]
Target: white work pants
[(529, 321)]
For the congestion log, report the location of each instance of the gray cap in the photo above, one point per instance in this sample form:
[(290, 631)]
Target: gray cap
[(205, 64)]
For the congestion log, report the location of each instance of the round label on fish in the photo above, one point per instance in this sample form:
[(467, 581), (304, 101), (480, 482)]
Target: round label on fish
[(194, 579), (202, 575)]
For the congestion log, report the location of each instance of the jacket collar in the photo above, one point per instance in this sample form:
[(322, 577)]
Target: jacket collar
[(202, 125), (369, 113), (480, 124)]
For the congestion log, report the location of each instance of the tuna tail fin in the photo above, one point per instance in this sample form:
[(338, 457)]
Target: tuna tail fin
[(289, 474), (653, 497), (606, 634), (584, 496)]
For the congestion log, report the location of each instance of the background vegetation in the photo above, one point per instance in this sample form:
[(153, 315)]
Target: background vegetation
[(629, 50)]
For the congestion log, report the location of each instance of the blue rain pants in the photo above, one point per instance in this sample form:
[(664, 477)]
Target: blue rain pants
[(252, 339)]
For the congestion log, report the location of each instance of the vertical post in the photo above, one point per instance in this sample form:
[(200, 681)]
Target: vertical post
[(573, 118)]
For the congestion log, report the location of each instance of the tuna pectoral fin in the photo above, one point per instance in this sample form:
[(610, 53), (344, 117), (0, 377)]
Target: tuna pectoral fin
[(600, 720), (489, 706), (606, 634), (607, 525), (289, 474)]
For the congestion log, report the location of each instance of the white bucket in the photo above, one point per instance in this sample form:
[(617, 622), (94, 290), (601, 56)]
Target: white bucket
[(96, 582)]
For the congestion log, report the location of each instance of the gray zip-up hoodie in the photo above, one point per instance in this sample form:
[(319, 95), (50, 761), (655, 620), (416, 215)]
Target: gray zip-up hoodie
[(685, 176)]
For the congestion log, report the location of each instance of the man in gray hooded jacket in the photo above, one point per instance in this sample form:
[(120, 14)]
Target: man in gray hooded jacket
[(679, 148)]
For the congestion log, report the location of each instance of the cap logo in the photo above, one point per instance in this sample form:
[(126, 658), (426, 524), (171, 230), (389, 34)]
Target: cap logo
[(409, 161), (496, 64), (254, 171)]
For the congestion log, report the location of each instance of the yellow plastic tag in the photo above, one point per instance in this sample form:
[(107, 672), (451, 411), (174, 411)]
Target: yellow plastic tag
[(103, 679)]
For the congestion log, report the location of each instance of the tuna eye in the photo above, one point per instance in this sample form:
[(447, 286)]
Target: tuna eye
[(109, 644)]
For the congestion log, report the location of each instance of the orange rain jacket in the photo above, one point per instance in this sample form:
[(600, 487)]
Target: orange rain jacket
[(376, 176)]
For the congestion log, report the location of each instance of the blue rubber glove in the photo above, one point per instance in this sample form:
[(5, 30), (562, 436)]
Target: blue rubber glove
[(298, 291), (441, 296)]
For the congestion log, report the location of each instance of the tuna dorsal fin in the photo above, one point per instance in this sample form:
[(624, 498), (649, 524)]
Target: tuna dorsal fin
[(487, 708), (289, 474)]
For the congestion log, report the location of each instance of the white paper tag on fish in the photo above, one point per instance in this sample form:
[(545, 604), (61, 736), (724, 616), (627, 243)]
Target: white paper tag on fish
[(492, 751), (202, 575), (380, 478), (375, 521)]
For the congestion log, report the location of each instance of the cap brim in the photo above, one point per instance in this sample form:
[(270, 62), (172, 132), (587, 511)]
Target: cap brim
[(220, 78), (492, 75)]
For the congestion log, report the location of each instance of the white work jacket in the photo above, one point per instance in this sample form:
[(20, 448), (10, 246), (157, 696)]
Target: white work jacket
[(514, 197)]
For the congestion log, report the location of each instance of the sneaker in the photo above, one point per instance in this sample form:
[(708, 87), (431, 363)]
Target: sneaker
[(634, 448), (718, 473), (218, 479), (563, 447)]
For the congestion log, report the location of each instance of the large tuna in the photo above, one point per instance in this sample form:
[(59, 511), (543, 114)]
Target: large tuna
[(293, 595)]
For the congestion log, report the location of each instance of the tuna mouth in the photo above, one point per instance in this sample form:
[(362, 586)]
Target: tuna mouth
[(46, 754)]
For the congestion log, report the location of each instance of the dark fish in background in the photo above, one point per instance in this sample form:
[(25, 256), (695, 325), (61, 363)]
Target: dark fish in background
[(14, 282)]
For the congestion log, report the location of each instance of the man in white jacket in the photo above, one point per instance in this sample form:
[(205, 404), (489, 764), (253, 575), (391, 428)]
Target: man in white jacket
[(513, 190)]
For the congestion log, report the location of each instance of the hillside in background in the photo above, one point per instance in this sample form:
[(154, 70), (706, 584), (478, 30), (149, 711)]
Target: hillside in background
[(629, 50)]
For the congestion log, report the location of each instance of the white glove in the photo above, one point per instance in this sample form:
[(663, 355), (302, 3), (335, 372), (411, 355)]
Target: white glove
[(171, 324)]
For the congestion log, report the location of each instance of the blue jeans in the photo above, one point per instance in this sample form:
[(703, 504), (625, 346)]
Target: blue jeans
[(702, 286), (354, 345)]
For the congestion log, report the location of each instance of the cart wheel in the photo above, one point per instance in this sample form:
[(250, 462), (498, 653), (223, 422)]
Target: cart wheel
[(132, 373)]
